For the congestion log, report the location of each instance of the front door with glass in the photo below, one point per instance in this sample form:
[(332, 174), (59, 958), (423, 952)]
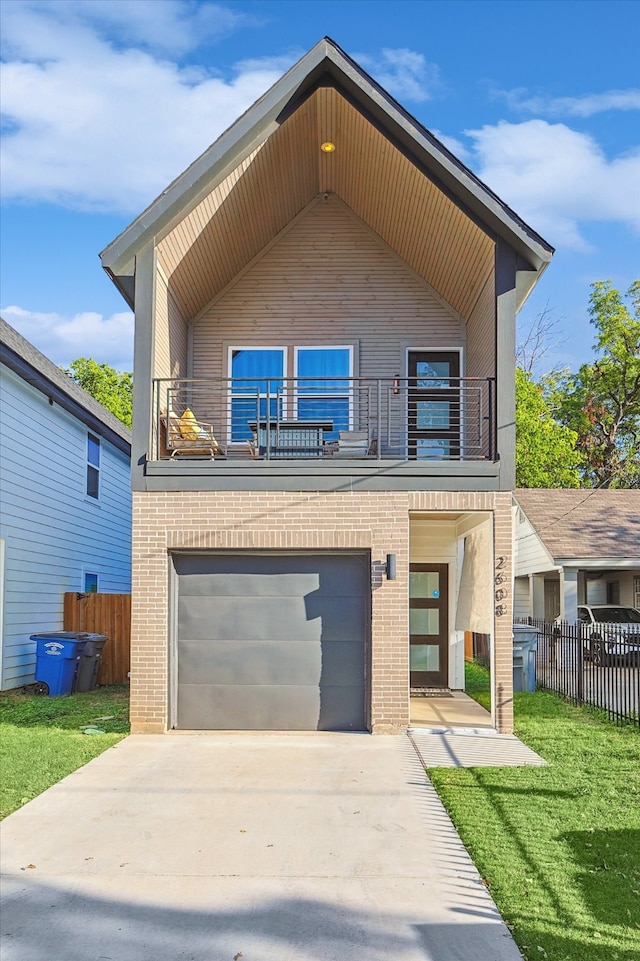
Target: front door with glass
[(428, 625), (433, 398)]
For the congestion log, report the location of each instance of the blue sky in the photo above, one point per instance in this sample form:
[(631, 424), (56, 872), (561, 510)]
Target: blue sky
[(104, 103)]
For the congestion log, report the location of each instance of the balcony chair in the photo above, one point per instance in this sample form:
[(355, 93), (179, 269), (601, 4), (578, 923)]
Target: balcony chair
[(186, 435), (351, 443)]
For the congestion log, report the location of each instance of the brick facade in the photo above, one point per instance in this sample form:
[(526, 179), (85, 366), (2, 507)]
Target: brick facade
[(377, 522)]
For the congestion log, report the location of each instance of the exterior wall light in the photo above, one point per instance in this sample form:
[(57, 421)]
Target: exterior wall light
[(327, 147), (391, 567)]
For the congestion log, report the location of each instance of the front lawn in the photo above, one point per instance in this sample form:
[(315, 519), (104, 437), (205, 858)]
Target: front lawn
[(559, 846), (42, 739)]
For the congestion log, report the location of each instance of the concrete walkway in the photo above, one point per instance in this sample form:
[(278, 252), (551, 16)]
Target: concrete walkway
[(324, 847), (455, 731)]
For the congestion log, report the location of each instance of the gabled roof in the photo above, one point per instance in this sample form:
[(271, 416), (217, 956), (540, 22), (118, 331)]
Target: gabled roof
[(37, 370), (584, 524), (388, 138)]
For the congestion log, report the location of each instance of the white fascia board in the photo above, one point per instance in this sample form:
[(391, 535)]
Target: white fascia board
[(599, 563)]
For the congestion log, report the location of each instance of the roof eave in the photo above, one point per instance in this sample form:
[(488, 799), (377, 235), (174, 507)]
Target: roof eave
[(261, 119), (599, 563)]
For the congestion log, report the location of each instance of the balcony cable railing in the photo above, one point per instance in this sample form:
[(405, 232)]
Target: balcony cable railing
[(327, 417)]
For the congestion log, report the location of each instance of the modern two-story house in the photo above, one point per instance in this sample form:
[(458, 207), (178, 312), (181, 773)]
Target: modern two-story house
[(323, 443)]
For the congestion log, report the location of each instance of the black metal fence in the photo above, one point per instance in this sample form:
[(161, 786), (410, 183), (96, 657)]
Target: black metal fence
[(588, 668)]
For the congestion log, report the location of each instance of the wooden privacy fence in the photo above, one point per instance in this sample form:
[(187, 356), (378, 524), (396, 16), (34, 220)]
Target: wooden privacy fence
[(108, 614)]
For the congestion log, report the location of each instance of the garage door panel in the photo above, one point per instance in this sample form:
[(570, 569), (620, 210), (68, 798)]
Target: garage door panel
[(249, 662), (272, 575), (342, 664), (257, 708), (340, 618), (247, 618), (341, 708), (285, 618), (248, 585)]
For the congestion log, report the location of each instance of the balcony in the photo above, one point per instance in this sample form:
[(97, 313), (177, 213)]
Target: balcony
[(322, 422)]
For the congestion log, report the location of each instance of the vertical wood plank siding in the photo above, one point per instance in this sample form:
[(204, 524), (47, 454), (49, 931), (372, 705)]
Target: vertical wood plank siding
[(108, 614), (244, 213), (329, 280)]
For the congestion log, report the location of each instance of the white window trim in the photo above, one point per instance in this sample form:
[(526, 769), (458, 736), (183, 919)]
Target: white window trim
[(349, 391), (230, 349), (88, 573), (96, 439)]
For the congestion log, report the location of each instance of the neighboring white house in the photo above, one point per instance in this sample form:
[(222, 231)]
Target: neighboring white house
[(575, 547), (65, 500)]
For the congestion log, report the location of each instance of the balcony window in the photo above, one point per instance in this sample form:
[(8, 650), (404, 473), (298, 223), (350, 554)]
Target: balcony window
[(257, 380), (321, 394)]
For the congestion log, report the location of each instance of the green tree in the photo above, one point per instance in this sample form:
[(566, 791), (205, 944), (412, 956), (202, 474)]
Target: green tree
[(546, 454), (111, 389), (601, 402)]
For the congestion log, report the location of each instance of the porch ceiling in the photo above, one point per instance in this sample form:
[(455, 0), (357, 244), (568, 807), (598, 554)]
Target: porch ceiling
[(247, 210)]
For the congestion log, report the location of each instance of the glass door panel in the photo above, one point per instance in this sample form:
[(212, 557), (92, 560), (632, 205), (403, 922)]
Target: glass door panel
[(424, 657), (433, 404), (424, 621), (424, 584), (428, 625)]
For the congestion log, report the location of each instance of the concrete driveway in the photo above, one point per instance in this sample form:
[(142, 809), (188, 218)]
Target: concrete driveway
[(254, 847)]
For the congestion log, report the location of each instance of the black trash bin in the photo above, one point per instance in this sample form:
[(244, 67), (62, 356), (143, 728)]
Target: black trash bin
[(90, 662), (58, 655)]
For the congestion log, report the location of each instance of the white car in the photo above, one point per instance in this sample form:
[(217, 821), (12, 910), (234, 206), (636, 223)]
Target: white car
[(611, 632)]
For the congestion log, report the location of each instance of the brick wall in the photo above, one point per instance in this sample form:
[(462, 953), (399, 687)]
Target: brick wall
[(239, 520)]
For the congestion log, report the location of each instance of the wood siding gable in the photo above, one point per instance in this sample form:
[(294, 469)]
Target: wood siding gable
[(328, 280)]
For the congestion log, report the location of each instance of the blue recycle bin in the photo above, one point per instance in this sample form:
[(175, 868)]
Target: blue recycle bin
[(57, 659), (525, 645)]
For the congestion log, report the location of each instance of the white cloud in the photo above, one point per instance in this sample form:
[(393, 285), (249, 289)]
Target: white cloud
[(92, 125), (584, 106), (109, 340), (404, 73), (32, 27), (557, 178)]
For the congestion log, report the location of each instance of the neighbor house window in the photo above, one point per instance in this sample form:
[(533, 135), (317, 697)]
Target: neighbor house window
[(322, 393), (91, 583), (93, 466), (257, 379)]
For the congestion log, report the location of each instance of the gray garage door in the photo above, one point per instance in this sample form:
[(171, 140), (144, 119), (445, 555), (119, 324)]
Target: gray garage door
[(272, 641)]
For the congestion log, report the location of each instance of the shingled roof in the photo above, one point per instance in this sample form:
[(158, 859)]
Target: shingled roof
[(581, 524), (26, 360)]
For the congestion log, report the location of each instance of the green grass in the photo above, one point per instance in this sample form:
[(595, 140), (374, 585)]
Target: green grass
[(42, 739), (559, 846)]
